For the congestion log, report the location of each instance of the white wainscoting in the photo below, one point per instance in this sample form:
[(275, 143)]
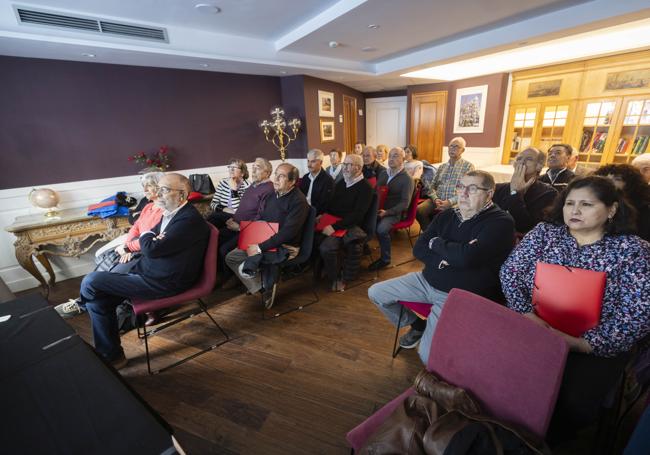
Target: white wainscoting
[(13, 203)]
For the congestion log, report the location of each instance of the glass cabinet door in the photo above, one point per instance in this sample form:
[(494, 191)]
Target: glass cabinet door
[(522, 130), (554, 124), (595, 131), (635, 131)]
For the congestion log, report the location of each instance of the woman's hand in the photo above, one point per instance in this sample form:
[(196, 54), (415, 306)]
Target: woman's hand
[(576, 344), (537, 320)]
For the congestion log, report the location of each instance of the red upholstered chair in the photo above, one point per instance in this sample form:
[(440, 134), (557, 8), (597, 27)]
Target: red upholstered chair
[(510, 365), (420, 309), (198, 292), (407, 222)]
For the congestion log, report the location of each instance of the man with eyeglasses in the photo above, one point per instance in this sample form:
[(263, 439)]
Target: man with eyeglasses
[(350, 202), (171, 262), (287, 207), (371, 167), (526, 198), (558, 174), (441, 193), (463, 248)]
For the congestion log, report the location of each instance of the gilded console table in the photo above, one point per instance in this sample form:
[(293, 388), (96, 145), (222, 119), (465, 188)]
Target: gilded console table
[(71, 234)]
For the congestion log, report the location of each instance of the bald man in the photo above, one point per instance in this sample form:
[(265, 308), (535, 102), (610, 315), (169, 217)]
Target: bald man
[(642, 163), (171, 262)]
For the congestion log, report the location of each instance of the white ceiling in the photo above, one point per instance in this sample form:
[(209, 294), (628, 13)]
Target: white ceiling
[(286, 37)]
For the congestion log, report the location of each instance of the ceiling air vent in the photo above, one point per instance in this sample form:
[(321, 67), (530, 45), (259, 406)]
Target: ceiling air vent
[(89, 24)]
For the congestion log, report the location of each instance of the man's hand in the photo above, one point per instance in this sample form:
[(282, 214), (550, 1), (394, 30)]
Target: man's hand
[(159, 236), (293, 251), (228, 210), (121, 250), (252, 250), (126, 257), (518, 181), (232, 224), (328, 230), (381, 213), (442, 205)]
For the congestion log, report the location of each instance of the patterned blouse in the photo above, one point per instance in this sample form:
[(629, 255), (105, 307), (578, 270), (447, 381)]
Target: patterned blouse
[(224, 196), (625, 314)]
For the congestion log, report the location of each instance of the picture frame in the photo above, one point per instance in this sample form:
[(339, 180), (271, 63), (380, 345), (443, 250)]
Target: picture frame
[(326, 130), (469, 112), (325, 104)]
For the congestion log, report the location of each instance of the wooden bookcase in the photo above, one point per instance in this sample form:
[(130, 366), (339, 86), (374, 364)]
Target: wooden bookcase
[(601, 107)]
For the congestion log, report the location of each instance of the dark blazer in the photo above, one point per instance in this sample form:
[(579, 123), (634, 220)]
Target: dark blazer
[(321, 192), (528, 210), (373, 170), (174, 263), (290, 211), (561, 180), (400, 192)]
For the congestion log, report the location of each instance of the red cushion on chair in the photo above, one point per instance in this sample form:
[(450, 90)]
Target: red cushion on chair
[(420, 309)]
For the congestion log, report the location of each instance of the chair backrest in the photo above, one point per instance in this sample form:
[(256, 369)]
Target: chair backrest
[(413, 205), (307, 242), (512, 366), (370, 220)]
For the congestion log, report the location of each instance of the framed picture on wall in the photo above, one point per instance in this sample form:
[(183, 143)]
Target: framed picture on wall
[(325, 104), (326, 130), (469, 113)]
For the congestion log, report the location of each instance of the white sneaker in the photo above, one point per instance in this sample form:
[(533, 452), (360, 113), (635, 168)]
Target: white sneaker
[(68, 309), (240, 269)]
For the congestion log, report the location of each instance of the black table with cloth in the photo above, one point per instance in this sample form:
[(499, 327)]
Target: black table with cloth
[(58, 397)]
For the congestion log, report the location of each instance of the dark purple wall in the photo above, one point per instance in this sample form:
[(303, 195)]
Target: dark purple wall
[(64, 121), (293, 102), (312, 86), (497, 89)]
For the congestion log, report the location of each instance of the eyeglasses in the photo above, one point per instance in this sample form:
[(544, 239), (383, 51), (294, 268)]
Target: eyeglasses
[(471, 189), (167, 190), (233, 167), (348, 164)]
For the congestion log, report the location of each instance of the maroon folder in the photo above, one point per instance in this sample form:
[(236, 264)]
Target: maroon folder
[(568, 298), (372, 181), (255, 232), (327, 220), (382, 193)]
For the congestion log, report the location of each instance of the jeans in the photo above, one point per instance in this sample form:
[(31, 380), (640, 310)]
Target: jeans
[(411, 287), (102, 292), (384, 226)]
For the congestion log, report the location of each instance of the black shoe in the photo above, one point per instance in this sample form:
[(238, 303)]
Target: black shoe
[(378, 264)]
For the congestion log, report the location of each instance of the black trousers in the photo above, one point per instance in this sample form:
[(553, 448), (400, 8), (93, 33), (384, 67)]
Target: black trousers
[(227, 242), (339, 255), (587, 381)]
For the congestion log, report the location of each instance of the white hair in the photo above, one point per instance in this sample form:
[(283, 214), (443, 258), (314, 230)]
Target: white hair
[(316, 154), (151, 177), (265, 165), (460, 140), (355, 159), (641, 160)]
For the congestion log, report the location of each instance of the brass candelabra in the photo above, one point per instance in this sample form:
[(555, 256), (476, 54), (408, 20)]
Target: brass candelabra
[(275, 130)]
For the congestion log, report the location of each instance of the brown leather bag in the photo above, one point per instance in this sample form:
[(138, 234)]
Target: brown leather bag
[(427, 421)]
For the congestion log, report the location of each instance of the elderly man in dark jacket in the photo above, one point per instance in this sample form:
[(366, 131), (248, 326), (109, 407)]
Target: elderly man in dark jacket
[(400, 191), (463, 248)]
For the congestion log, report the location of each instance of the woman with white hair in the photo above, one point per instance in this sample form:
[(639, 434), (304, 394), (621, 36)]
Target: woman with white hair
[(127, 245)]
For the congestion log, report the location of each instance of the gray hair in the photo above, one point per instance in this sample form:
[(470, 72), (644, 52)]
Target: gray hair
[(371, 149), (151, 178), (461, 140), (400, 150), (316, 154), (265, 165), (641, 160)]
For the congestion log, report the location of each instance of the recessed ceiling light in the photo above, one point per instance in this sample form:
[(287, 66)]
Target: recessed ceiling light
[(620, 38), (283, 72), (333, 44), (207, 8), (86, 54), (203, 65), (368, 49), (373, 26)]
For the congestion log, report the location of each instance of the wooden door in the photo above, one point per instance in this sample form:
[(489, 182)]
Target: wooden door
[(386, 121), (428, 112), (349, 123)]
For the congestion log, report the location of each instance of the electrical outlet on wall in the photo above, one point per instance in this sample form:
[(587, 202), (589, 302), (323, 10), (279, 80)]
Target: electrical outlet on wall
[(360, 112), (340, 118)]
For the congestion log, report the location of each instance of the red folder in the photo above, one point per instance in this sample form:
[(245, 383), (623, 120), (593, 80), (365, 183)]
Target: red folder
[(327, 220), (372, 181), (568, 298), (255, 232), (382, 193)]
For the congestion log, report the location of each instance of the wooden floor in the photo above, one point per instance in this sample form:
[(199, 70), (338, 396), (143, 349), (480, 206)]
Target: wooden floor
[(289, 385)]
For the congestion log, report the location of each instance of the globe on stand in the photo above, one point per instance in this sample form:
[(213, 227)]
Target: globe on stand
[(44, 198)]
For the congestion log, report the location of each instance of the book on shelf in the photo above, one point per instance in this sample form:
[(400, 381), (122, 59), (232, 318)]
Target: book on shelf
[(598, 143), (640, 144), (622, 145)]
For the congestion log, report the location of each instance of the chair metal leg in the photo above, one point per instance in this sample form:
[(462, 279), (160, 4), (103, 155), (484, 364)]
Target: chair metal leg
[(397, 348), (291, 310), (149, 333)]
